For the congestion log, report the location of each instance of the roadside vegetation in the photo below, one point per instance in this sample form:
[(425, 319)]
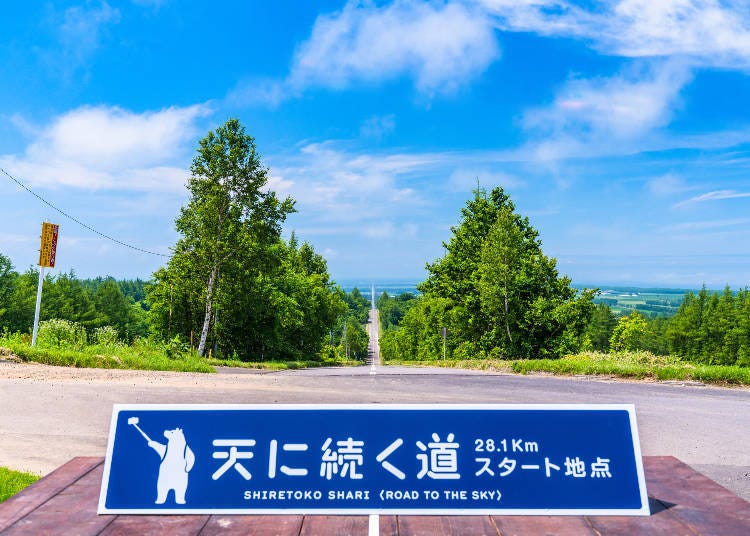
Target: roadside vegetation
[(11, 482), (629, 365), (64, 343), (234, 292)]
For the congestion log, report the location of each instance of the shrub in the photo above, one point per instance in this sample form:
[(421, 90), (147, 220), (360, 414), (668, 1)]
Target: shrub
[(60, 333), (175, 348), (468, 350), (630, 333), (104, 336)]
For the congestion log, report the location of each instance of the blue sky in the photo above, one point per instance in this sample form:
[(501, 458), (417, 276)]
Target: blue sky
[(622, 129)]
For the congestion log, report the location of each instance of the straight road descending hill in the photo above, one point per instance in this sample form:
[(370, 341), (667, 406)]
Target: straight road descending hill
[(373, 348)]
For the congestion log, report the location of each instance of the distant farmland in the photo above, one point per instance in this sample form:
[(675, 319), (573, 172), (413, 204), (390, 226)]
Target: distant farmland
[(649, 301)]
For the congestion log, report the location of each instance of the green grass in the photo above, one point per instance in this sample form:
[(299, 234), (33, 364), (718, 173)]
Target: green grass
[(283, 365), (636, 365), (141, 355), (494, 365), (11, 482)]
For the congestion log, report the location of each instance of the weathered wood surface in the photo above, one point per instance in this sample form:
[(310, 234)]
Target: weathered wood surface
[(682, 502)]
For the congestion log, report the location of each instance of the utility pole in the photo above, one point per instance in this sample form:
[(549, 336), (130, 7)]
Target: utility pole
[(35, 331), (346, 342), (445, 334), (47, 253)]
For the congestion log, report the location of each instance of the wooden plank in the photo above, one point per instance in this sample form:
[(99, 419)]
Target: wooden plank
[(335, 525), (281, 525), (660, 524), (557, 525), (70, 512), (436, 525), (124, 525), (388, 526), (711, 522), (675, 482), (697, 500), (44, 489)]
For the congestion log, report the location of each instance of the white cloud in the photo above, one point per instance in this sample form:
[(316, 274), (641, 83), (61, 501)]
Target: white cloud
[(623, 106), (441, 46), (112, 136), (621, 114), (445, 45), (344, 191), (712, 31), (339, 186), (716, 195), (110, 148), (708, 32)]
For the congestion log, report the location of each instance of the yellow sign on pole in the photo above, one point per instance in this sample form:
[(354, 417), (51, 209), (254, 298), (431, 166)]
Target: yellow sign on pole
[(48, 249)]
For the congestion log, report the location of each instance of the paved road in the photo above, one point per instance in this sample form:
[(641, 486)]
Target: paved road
[(373, 347), (50, 414)]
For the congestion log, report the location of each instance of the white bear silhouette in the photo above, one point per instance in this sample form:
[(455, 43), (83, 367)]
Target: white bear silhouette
[(176, 462)]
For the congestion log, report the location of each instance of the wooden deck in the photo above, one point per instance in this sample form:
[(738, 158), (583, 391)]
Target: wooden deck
[(683, 502)]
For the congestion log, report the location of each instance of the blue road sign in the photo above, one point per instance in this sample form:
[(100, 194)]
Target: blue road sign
[(374, 459)]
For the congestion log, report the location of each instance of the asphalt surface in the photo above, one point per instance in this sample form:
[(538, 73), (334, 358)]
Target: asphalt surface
[(49, 415)]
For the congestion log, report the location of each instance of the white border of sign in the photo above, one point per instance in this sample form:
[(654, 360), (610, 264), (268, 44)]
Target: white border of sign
[(630, 408)]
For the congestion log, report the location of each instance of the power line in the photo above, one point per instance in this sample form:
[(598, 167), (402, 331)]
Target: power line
[(79, 222)]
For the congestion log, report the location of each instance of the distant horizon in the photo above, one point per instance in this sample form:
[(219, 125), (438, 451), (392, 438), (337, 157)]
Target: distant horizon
[(365, 282), (395, 281)]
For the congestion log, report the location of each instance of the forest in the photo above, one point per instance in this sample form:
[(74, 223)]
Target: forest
[(233, 287)]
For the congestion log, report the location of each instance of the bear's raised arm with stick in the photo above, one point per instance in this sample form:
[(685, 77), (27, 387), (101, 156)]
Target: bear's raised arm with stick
[(176, 462)]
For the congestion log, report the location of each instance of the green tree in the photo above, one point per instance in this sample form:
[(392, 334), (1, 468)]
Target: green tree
[(354, 338), (630, 333), (8, 279), (117, 311), (600, 327), (228, 208), (419, 333), (456, 276), (66, 298), (358, 305), (393, 309), (19, 315), (532, 311), (505, 296)]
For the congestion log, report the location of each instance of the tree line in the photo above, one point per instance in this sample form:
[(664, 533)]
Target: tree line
[(709, 327), (127, 306), (494, 294), (233, 286), (92, 303)]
